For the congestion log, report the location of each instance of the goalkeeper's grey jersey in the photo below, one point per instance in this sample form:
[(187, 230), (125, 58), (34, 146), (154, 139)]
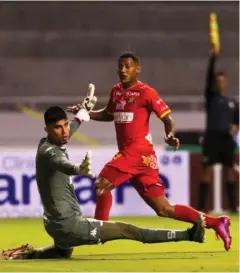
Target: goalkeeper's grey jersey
[(54, 179)]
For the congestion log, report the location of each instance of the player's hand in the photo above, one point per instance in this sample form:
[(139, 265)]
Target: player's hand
[(75, 108), (172, 141), (88, 103), (85, 166), (234, 130), (90, 100)]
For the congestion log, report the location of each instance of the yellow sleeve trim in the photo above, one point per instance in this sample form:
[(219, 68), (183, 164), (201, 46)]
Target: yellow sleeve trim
[(165, 113)]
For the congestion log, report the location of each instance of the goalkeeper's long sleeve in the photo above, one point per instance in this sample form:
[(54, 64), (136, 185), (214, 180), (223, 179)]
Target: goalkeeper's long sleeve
[(74, 125), (61, 163)]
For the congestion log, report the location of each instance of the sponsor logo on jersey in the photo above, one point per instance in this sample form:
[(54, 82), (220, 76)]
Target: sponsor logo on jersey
[(123, 117), (132, 93), (120, 105)]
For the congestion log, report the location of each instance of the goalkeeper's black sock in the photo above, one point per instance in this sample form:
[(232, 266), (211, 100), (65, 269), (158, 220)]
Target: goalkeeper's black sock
[(116, 231), (203, 195), (51, 252)]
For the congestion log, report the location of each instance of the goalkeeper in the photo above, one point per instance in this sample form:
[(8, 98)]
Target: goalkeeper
[(63, 218)]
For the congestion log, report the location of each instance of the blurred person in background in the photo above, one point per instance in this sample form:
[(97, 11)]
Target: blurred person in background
[(222, 125), (130, 106)]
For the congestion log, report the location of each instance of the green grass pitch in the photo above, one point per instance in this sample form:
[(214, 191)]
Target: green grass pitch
[(124, 255)]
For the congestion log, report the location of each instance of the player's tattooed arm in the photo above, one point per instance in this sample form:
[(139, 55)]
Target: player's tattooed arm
[(101, 115)]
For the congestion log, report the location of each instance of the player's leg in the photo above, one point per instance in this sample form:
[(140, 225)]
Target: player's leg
[(26, 252), (119, 231), (210, 157), (108, 179), (227, 160), (52, 252), (103, 206), (204, 187), (92, 231), (154, 195)]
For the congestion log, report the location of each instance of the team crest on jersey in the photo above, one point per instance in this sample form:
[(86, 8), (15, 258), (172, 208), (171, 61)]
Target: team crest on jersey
[(120, 105), (131, 100)]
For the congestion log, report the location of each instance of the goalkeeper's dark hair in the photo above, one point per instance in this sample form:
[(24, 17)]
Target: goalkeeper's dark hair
[(53, 114), (130, 54)]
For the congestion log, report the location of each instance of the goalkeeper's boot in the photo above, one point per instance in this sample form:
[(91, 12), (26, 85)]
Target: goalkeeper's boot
[(197, 232), (19, 253), (223, 231)]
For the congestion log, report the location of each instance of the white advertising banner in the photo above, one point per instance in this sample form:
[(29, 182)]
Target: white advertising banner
[(19, 196)]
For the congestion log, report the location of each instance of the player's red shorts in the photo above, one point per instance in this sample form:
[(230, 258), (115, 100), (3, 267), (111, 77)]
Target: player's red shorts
[(139, 166)]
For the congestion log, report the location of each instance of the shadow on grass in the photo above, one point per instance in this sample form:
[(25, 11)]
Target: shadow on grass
[(171, 255)]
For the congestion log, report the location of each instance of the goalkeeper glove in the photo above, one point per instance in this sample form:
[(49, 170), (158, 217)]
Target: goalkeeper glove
[(90, 100), (85, 167)]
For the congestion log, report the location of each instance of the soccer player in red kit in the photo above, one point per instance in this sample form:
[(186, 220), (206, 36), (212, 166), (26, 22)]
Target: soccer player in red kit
[(130, 106)]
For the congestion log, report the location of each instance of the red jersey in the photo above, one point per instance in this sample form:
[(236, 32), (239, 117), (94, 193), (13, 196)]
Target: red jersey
[(131, 109)]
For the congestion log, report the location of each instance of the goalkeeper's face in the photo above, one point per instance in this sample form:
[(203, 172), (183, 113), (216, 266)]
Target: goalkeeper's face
[(59, 132)]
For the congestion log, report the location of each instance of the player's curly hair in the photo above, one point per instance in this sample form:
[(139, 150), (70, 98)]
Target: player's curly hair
[(54, 114), (130, 54)]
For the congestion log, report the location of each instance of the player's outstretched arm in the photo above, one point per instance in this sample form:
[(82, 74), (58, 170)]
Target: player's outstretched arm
[(62, 164), (101, 115), (89, 103), (81, 116), (98, 115), (210, 76)]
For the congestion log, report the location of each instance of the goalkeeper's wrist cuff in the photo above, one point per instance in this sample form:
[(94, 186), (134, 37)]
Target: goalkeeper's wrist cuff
[(77, 169), (82, 115)]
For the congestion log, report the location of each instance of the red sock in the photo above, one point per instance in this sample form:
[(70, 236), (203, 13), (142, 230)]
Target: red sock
[(186, 213), (189, 214), (103, 206), (211, 221)]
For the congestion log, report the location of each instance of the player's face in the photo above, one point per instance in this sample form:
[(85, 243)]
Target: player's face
[(221, 83), (128, 70), (59, 132)]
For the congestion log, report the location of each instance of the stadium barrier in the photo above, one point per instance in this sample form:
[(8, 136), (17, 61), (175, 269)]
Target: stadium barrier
[(180, 172), (19, 196)]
